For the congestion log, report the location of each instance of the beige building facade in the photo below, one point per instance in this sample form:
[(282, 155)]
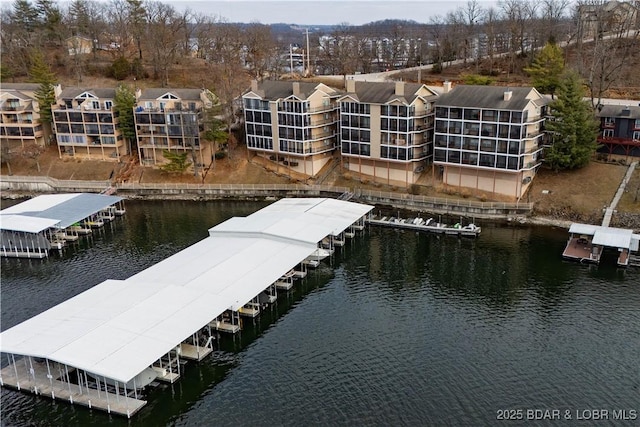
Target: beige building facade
[(489, 139), (20, 116), (292, 124), (386, 130), (172, 120), (86, 124)]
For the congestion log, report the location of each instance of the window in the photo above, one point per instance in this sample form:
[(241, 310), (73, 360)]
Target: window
[(609, 120), (108, 105), (472, 114), (607, 133), (636, 136), (95, 105), (636, 125)]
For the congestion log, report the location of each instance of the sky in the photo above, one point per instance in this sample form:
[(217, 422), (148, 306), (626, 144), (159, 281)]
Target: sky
[(323, 12), (310, 12)]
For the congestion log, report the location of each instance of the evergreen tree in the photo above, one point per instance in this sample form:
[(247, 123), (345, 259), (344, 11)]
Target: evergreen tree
[(177, 162), (547, 68), (41, 73), (572, 127), (123, 104)]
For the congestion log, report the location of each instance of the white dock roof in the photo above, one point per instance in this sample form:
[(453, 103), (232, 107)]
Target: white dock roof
[(605, 236), (26, 224), (66, 209), (120, 327)]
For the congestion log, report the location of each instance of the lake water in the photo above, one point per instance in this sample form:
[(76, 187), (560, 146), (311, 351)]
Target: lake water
[(398, 328)]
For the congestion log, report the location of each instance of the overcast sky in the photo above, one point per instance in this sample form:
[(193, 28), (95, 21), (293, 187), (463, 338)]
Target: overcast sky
[(327, 12)]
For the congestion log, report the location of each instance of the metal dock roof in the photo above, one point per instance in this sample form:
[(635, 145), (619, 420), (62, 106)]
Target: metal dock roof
[(120, 327)]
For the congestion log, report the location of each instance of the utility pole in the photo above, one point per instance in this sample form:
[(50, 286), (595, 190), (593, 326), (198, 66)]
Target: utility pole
[(291, 59), (308, 60)]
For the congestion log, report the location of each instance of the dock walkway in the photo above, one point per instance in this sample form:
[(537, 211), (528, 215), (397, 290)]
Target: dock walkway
[(16, 376)]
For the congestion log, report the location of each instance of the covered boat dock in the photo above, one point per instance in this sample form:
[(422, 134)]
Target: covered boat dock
[(586, 243), (99, 347), (32, 228)]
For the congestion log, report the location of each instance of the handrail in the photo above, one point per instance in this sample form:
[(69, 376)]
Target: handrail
[(374, 196)]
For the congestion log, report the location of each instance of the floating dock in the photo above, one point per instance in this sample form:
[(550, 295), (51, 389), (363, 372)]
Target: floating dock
[(587, 242), (113, 340), (427, 225), (32, 228)]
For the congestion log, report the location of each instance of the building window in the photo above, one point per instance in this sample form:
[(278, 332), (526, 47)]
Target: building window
[(636, 125), (636, 136), (607, 133), (609, 120)]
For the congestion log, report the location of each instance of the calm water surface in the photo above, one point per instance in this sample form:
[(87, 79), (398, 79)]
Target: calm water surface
[(398, 328)]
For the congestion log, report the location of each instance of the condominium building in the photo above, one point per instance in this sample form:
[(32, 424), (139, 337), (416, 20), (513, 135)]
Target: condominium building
[(292, 123), (619, 129), (19, 116), (489, 139), (386, 130), (86, 124), (172, 120)]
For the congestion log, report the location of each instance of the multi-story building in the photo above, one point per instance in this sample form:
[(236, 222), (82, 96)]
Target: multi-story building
[(489, 139), (293, 123), (172, 120), (619, 129), (86, 124), (386, 130), (595, 19), (19, 116)]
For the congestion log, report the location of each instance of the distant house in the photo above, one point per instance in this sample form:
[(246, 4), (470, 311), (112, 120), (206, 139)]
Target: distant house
[(292, 123), (598, 18), (20, 115), (173, 120), (78, 45), (489, 139), (619, 130), (387, 130), (86, 124)]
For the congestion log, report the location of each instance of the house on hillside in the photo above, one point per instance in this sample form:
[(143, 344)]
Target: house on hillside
[(172, 120), (77, 45), (86, 124), (20, 116), (619, 130), (293, 124), (598, 18), (489, 139), (386, 130)]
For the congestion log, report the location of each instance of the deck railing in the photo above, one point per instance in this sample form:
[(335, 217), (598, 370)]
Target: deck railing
[(398, 200)]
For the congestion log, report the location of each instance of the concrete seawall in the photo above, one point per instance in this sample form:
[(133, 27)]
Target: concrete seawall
[(23, 186)]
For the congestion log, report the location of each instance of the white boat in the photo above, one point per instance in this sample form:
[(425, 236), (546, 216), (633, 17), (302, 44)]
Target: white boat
[(319, 254), (141, 380)]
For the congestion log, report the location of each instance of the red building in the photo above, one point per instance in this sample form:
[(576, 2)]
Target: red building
[(619, 130)]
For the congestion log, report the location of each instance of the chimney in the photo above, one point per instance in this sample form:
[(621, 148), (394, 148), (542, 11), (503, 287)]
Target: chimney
[(400, 88), (254, 86), (296, 89), (351, 85), (446, 87), (508, 94)]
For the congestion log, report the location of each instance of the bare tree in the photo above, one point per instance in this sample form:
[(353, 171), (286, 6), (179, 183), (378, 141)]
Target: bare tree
[(31, 150), (259, 49), (603, 59), (164, 35)]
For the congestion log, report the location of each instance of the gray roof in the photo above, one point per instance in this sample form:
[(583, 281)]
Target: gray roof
[(67, 210), (632, 112), (279, 89), (102, 93), (384, 92), (19, 86), (471, 96), (183, 94)]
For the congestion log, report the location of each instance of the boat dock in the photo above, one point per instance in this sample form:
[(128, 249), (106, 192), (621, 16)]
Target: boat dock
[(587, 242), (427, 225), (33, 228), (103, 347)]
